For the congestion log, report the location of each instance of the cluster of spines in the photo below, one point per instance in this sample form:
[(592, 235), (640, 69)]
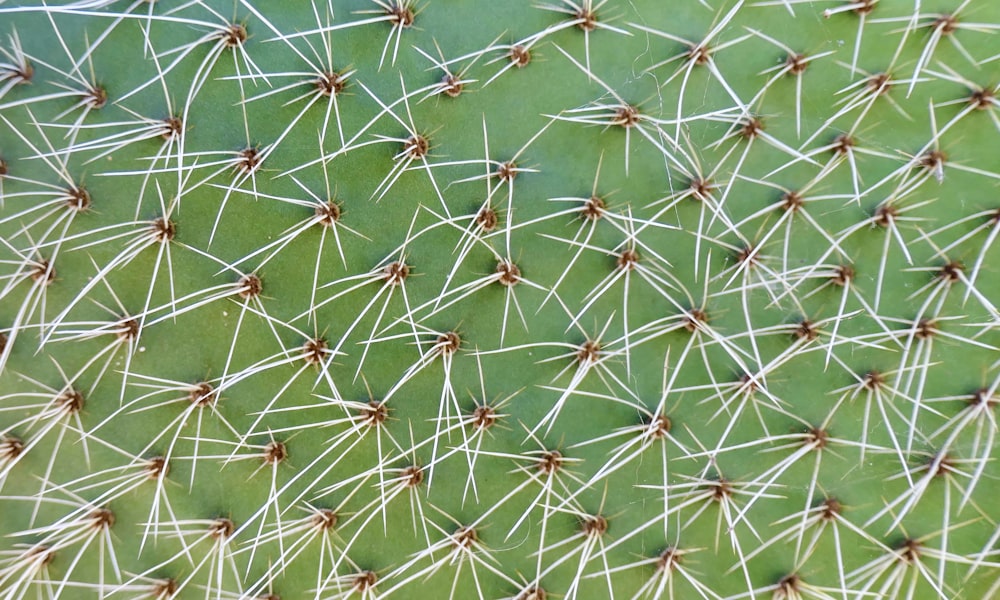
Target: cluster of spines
[(594, 365)]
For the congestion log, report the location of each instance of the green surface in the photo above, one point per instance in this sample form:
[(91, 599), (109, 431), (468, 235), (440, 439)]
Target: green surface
[(908, 459)]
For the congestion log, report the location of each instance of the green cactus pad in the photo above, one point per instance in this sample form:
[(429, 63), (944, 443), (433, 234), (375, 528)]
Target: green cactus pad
[(568, 299)]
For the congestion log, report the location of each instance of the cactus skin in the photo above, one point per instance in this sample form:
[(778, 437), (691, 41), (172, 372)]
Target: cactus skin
[(260, 337)]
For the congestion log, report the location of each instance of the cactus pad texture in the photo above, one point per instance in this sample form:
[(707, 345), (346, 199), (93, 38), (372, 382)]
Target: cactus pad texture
[(488, 299)]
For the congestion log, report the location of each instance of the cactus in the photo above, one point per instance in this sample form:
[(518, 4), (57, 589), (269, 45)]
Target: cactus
[(429, 299)]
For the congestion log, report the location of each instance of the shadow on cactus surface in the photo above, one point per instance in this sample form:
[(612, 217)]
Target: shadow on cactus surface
[(525, 300)]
